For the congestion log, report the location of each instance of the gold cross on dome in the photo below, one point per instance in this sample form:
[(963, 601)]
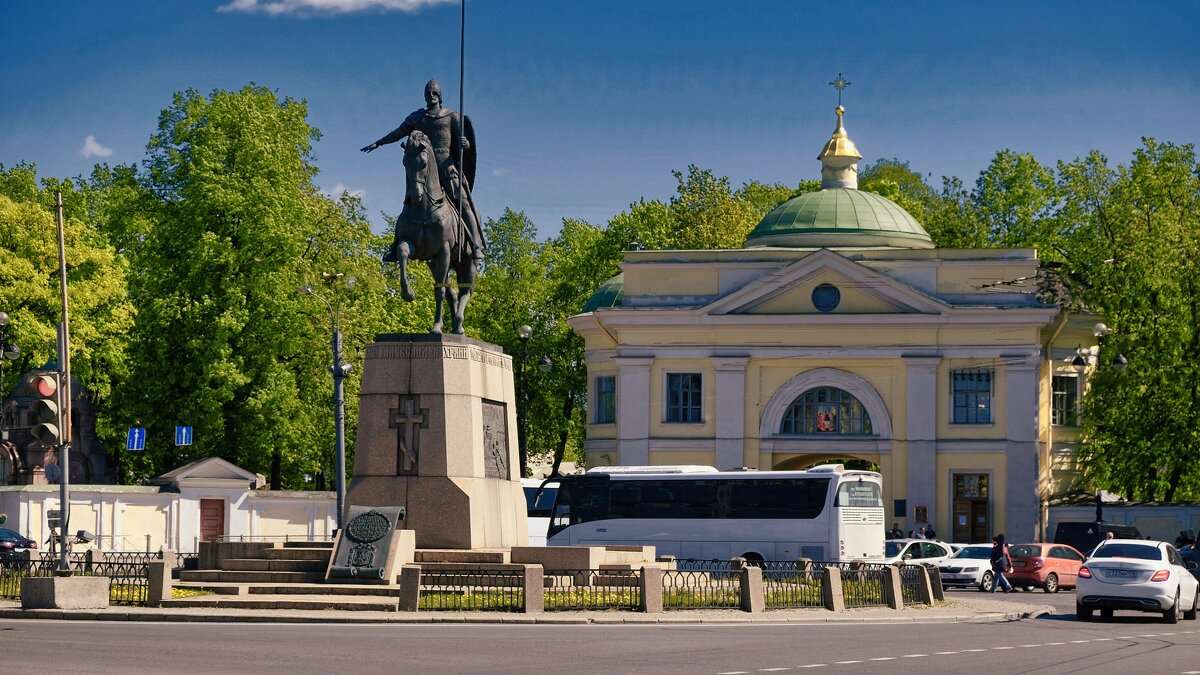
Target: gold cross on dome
[(840, 83)]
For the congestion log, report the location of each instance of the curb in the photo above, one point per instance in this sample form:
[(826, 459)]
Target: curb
[(599, 619)]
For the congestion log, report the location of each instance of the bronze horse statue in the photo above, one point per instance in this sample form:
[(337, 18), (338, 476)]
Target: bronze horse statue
[(430, 228)]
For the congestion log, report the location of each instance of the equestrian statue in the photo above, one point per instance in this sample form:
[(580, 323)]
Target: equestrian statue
[(439, 223)]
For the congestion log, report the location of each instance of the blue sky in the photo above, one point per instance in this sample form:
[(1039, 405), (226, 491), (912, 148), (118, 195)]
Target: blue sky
[(584, 107)]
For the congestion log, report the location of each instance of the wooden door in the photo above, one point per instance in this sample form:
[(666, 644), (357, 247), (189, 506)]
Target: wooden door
[(212, 519)]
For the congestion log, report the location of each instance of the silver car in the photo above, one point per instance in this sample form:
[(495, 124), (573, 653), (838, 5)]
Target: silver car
[(1135, 574)]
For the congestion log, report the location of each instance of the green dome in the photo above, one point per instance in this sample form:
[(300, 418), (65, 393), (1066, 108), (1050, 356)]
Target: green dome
[(608, 295), (839, 218)]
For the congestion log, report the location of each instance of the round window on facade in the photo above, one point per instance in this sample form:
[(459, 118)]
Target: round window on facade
[(826, 297)]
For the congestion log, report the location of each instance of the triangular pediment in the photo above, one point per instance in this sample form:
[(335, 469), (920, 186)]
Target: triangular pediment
[(210, 471), (859, 290)]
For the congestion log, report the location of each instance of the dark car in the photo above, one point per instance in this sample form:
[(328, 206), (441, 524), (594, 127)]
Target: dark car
[(1085, 536), (12, 543), (1191, 559)]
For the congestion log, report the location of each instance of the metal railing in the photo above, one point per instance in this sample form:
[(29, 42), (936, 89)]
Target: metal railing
[(579, 589), (128, 574), (789, 585), (910, 584), (474, 591), (862, 583), (714, 588), (284, 538)]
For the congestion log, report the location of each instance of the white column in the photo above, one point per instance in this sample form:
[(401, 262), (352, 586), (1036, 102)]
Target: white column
[(1021, 456), (633, 410), (730, 411), (921, 439)]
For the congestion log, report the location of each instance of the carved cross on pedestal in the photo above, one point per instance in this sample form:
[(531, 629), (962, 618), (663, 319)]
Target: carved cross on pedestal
[(408, 418)]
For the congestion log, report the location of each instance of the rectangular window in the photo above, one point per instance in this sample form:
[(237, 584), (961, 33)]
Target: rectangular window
[(606, 399), (971, 391), (684, 399), (1064, 401)]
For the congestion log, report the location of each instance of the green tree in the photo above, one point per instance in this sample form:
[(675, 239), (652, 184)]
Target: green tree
[(1015, 198), (1134, 234), (223, 341)]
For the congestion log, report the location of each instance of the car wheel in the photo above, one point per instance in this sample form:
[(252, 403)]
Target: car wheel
[(985, 582), (1190, 614), (1083, 613), (1171, 614), (1051, 585)]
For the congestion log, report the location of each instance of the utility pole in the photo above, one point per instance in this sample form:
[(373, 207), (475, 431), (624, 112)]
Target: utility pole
[(64, 361)]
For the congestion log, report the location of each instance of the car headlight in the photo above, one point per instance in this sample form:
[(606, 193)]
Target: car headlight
[(970, 569)]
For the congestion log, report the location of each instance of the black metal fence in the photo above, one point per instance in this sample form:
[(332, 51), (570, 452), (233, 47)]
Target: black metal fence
[(474, 591), (911, 580), (128, 573), (790, 584), (592, 589), (710, 586), (862, 583)]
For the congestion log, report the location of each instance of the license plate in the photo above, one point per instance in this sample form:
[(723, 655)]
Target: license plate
[(1019, 563), (1120, 574)]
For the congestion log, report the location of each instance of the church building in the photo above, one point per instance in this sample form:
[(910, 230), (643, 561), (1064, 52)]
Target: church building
[(840, 332)]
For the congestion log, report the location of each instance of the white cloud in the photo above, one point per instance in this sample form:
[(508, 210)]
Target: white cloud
[(325, 7), (93, 149), (498, 173), (337, 190)]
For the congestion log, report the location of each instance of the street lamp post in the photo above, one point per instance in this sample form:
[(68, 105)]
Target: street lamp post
[(523, 334), (339, 370), (9, 352)]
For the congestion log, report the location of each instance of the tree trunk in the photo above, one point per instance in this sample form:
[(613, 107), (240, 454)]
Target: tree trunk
[(276, 470), (561, 448)]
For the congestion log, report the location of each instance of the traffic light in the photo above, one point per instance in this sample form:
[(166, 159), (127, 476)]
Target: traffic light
[(48, 409)]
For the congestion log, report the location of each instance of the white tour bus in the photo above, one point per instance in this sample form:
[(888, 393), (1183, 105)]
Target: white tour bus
[(539, 499), (825, 513)]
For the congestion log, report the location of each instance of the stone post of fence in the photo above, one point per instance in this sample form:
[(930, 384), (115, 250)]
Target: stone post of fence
[(893, 592), (831, 589), (751, 596), (534, 589), (926, 587), (935, 582), (159, 585), (410, 587), (651, 590)]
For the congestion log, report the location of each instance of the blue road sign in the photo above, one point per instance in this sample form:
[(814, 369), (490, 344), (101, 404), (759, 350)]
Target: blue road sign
[(183, 435), (136, 439)]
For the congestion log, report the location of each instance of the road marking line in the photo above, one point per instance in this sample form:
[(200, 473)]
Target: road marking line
[(974, 650), (1150, 635), (1000, 648), (1054, 644), (913, 656), (1121, 637), (1166, 633), (845, 663), (813, 665), (944, 653), (736, 672), (884, 658), (1029, 646), (1109, 639), (771, 670), (1079, 642)]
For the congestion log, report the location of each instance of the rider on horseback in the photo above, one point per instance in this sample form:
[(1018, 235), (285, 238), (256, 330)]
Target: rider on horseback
[(443, 126)]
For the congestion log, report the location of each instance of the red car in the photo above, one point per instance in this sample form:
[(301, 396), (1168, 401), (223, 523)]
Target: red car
[(1050, 566)]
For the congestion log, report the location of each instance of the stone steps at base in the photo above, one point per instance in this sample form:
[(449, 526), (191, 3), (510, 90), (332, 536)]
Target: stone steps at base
[(302, 602), (273, 565), (326, 545), (349, 590), (297, 553), (243, 577)]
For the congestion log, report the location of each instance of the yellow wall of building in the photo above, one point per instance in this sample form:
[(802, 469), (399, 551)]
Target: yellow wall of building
[(676, 458), (284, 519), (138, 520), (673, 281)]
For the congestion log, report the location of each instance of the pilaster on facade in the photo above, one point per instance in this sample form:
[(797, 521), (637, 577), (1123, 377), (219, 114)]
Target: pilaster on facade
[(633, 409), (920, 374), (730, 410), (1021, 465)]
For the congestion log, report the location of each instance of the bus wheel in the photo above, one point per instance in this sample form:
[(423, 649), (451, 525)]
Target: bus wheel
[(753, 559)]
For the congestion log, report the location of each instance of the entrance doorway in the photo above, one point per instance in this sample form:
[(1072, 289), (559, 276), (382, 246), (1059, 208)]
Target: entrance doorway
[(972, 520), (212, 519)]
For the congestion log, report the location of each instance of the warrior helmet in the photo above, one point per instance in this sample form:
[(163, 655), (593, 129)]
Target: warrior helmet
[(432, 87)]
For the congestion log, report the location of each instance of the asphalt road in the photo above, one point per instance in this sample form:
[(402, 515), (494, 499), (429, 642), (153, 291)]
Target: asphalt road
[(1127, 644)]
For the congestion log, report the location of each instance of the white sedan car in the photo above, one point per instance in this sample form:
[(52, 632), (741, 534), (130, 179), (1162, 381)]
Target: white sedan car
[(1145, 576), (970, 567), (915, 551)]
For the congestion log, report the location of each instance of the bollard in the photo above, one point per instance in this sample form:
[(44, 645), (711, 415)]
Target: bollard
[(935, 582), (535, 589), (159, 588), (651, 601), (410, 588), (926, 587), (831, 589), (892, 587)]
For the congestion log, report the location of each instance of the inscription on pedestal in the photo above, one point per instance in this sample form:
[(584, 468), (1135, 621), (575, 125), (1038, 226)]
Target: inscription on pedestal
[(363, 547), (495, 440), (408, 418)]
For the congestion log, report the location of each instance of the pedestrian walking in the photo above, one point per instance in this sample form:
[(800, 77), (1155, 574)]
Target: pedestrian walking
[(1001, 564)]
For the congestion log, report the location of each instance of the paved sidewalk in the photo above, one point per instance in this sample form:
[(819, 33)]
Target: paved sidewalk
[(980, 610)]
